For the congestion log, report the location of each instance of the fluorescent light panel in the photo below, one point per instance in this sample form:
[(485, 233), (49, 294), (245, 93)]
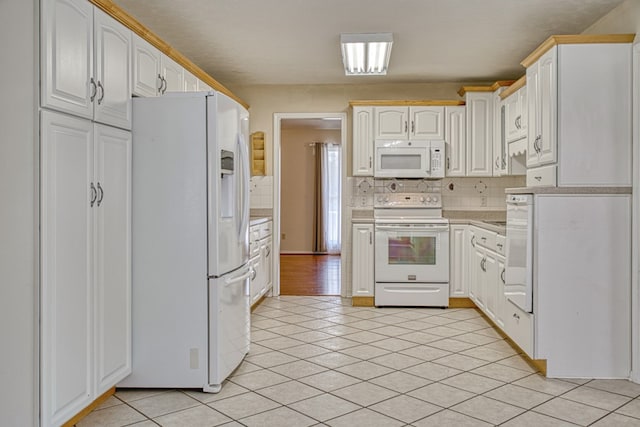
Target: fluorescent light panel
[(366, 54)]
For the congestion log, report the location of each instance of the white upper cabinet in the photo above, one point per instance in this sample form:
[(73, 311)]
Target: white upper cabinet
[(173, 75), (362, 141), (67, 82), (391, 123), (456, 140), (426, 123), (202, 86), (113, 79), (479, 133), (85, 63), (190, 82), (154, 73), (542, 84), (513, 116), (419, 122), (146, 78)]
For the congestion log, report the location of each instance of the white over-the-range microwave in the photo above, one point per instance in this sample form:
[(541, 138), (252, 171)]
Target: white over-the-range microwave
[(408, 159)]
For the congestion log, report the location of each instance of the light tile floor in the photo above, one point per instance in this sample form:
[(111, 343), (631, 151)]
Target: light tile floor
[(319, 361)]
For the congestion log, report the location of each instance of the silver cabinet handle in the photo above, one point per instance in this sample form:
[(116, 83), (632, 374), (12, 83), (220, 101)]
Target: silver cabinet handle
[(499, 245), (101, 92), (160, 84), (370, 238), (94, 194), (473, 241), (268, 251), (448, 163), (502, 276), (413, 126), (101, 194), (165, 85), (484, 239), (538, 178), (498, 162), (94, 90), (515, 316), (406, 126), (370, 162), (254, 273), (504, 161)]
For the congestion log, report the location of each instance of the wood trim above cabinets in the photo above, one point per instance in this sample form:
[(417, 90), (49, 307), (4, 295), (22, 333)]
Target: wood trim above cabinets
[(574, 39), (116, 12), (520, 83), (485, 88), (403, 103)]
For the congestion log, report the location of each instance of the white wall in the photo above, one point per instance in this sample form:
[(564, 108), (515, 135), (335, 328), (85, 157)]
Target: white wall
[(18, 218), (623, 19)]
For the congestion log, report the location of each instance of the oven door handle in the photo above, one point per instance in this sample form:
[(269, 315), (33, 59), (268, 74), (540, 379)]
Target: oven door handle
[(421, 227)]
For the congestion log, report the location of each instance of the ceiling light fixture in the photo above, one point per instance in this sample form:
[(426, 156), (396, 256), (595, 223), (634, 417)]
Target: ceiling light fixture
[(366, 54)]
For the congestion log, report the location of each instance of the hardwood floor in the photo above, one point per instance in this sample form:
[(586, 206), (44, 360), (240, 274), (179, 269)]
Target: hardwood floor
[(309, 274)]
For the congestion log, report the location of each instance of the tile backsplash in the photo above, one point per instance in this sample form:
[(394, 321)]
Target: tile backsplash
[(261, 192), (457, 193), (478, 193)]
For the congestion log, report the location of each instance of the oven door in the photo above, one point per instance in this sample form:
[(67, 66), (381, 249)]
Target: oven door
[(406, 253), (402, 159)]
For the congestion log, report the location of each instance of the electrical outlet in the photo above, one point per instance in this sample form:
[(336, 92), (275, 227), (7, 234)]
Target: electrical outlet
[(284, 236), (483, 201)]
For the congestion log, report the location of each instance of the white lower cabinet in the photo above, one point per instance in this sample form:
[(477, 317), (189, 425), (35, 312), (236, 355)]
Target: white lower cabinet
[(260, 237), (362, 260), (458, 283), (85, 263)]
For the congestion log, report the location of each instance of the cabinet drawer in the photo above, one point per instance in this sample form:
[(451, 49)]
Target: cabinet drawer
[(501, 245), (518, 325), (544, 176), (485, 238), (266, 229)]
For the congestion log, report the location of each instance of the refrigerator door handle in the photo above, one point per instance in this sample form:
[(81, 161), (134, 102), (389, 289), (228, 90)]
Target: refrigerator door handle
[(232, 280), (244, 214)]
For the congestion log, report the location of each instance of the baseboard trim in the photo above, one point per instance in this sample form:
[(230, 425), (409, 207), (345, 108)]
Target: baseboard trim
[(461, 303), (257, 303), (362, 301), (93, 405)]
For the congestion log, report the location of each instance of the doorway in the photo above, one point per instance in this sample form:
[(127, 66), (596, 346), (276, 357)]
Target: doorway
[(309, 172)]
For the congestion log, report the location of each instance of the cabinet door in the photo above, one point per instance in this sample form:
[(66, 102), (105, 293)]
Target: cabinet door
[(66, 266), (113, 256), (512, 111), (533, 114), (456, 140), (67, 56), (501, 301), (479, 134), (267, 260), (113, 76), (146, 80), (499, 137), (547, 104), (426, 123), (476, 284), (173, 74), (362, 141), (524, 108), (362, 260), (391, 123), (490, 285), (458, 286), (190, 82)]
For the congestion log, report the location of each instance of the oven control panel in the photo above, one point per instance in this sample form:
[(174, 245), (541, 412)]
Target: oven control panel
[(408, 200)]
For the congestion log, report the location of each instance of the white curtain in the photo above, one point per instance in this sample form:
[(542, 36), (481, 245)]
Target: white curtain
[(328, 196)]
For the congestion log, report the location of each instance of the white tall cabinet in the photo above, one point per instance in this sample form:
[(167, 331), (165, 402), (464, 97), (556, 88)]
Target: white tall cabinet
[(85, 261), (362, 141), (479, 133)]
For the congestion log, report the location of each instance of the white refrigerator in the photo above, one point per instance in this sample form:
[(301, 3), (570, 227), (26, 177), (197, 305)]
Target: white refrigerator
[(190, 303)]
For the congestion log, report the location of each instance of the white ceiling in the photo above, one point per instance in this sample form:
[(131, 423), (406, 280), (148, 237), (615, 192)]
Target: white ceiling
[(241, 42)]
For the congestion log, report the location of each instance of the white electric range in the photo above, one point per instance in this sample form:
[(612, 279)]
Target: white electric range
[(411, 250)]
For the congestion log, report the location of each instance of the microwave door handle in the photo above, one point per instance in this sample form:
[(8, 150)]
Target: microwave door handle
[(429, 154)]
